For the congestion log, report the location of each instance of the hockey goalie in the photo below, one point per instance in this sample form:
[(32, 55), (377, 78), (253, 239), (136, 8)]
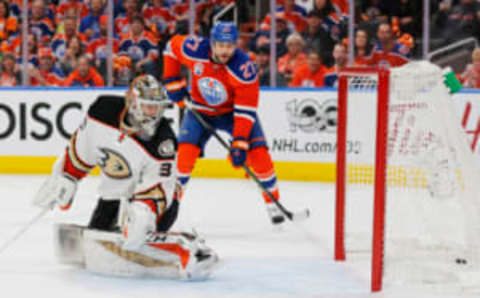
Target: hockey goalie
[(135, 148)]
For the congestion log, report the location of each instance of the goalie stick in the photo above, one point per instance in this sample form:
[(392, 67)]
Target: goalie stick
[(293, 216)]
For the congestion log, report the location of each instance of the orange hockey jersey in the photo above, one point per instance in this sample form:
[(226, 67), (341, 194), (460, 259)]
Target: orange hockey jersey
[(216, 88)]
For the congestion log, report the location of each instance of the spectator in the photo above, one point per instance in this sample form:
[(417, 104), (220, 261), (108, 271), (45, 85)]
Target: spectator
[(60, 40), (311, 74), (74, 50), (263, 63), (242, 44), (180, 8), (79, 6), (47, 73), (294, 58), (15, 47), (293, 14), (262, 37), (123, 21), (330, 18), (84, 75), (16, 7), (362, 47), (8, 23), (72, 13), (388, 52), (122, 70), (376, 11), (340, 57), (32, 48), (158, 17), (406, 14), (317, 38), (9, 76), (40, 24), (456, 23), (471, 76), (341, 7), (90, 24), (141, 47), (97, 49)]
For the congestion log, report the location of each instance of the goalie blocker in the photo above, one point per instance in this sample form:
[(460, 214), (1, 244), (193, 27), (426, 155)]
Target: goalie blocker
[(164, 255)]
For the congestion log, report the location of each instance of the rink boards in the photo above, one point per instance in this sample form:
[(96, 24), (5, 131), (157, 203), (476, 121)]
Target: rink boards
[(300, 125)]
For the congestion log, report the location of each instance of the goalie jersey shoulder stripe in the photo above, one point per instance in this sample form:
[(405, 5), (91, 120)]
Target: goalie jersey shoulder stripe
[(108, 109)]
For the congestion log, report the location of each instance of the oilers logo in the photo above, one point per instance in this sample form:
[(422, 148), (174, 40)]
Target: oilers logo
[(136, 53), (213, 91), (101, 52), (310, 116), (384, 64)]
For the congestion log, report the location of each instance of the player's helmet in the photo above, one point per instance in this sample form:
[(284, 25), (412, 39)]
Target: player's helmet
[(224, 32), (146, 93)]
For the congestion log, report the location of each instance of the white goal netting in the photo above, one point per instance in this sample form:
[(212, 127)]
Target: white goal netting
[(432, 214)]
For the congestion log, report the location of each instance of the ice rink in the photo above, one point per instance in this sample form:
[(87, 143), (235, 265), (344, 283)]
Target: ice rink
[(257, 260)]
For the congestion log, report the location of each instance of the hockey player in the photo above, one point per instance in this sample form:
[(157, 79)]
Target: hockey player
[(225, 92), (135, 148)]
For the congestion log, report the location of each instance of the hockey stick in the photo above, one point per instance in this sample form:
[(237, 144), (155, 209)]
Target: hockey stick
[(23, 229), (297, 216)]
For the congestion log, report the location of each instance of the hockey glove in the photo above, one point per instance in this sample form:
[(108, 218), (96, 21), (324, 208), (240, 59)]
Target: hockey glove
[(59, 190), (176, 90), (139, 222), (238, 152)]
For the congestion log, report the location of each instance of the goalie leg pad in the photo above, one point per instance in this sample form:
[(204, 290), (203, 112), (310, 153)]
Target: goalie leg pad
[(165, 255)]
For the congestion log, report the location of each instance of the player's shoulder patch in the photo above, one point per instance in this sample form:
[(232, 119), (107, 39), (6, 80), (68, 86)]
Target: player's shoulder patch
[(196, 48), (107, 109), (242, 68), (163, 145)]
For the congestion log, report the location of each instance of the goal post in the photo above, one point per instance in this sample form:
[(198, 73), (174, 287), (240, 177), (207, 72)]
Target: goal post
[(420, 170)]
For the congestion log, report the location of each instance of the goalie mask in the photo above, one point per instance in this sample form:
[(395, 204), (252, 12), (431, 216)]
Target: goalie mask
[(147, 100)]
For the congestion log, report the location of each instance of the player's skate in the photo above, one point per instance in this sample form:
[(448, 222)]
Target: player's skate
[(276, 215)]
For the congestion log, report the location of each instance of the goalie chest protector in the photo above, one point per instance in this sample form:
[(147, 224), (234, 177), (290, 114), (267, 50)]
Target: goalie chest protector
[(128, 163)]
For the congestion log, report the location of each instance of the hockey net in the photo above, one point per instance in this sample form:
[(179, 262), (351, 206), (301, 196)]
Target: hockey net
[(424, 194)]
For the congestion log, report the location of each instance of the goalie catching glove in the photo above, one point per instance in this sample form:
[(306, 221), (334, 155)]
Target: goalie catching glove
[(59, 189)]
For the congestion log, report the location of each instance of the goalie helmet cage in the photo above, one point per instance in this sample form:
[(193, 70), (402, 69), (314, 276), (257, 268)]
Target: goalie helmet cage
[(417, 90)]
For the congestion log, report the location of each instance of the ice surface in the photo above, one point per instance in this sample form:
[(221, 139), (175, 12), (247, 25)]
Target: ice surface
[(257, 261)]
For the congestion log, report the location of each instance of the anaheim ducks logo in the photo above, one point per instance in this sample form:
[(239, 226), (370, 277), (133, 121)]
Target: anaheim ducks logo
[(114, 165)]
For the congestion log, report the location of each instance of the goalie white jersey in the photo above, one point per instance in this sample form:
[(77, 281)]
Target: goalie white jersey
[(130, 166), (135, 148)]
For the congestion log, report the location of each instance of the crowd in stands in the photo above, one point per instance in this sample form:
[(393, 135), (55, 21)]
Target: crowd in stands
[(67, 39)]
